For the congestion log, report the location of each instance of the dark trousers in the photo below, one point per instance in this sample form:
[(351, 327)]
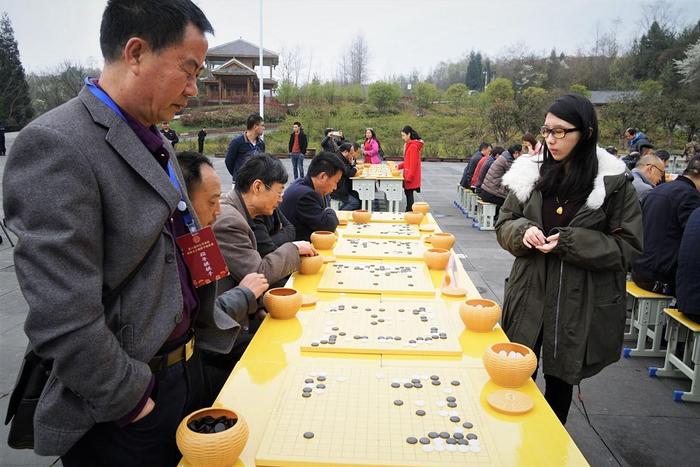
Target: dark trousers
[(557, 392), (350, 203), (489, 198), (297, 164), (200, 148), (409, 198), (151, 440)]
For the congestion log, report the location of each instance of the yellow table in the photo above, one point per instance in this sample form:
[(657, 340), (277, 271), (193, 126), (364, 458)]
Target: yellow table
[(536, 438)]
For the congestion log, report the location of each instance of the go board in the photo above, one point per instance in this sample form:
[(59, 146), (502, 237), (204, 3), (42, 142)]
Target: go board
[(388, 416), (382, 216), (363, 277), (382, 230), (370, 326), (376, 248)]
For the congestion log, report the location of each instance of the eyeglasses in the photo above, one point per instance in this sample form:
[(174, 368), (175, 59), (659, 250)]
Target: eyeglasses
[(558, 133), (661, 172), (278, 193)]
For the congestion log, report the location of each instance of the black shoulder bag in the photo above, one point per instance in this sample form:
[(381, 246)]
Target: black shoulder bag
[(32, 379)]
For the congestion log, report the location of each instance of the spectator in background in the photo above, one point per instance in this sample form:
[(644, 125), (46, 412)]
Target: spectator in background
[(691, 149), (666, 209), (371, 147), (332, 140), (687, 284), (484, 150), (665, 158), (413, 145), (636, 140), (349, 199), (297, 148), (531, 146), (492, 189), (246, 144), (2, 139), (200, 140), (307, 200), (647, 174), (169, 134), (475, 181), (631, 160)]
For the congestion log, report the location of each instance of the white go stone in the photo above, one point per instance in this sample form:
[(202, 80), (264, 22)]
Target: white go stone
[(440, 403), (380, 375), (309, 385), (448, 390), (503, 354), (341, 378), (463, 448), (454, 413), (419, 403), (427, 448), (440, 447), (320, 391), (313, 374), (438, 441), (443, 413), (474, 447), (451, 447), (458, 430), (315, 343)]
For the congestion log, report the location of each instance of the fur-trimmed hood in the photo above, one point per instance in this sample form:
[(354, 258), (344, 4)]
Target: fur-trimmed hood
[(525, 172)]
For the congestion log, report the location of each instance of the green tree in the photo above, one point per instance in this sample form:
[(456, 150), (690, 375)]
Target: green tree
[(456, 94), (15, 103), (475, 76), (501, 111), (286, 93), (423, 95), (650, 88), (383, 95), (532, 107), (500, 89), (580, 89)]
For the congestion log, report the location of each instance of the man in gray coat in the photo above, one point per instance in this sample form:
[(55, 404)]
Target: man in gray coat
[(647, 174), (111, 302)]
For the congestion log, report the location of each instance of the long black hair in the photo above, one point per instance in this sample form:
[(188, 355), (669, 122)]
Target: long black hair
[(407, 130), (572, 178)]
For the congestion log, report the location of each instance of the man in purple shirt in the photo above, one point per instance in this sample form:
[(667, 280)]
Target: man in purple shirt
[(112, 307)]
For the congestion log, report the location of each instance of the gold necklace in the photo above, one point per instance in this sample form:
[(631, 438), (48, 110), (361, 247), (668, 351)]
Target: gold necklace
[(560, 209)]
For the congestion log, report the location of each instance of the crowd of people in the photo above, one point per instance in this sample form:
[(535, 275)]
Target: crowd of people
[(117, 295)]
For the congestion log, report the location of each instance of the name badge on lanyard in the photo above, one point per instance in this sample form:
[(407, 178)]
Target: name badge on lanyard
[(199, 248)]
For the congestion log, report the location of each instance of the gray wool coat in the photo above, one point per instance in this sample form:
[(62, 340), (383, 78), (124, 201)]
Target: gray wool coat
[(87, 201)]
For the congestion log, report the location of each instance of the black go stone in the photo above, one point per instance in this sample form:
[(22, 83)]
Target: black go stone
[(451, 399), (418, 385), (451, 441), (398, 402), (373, 323), (397, 338), (424, 441), (452, 405), (321, 378), (308, 435), (412, 341), (305, 394), (341, 333), (324, 341), (454, 419), (219, 427), (395, 385), (433, 434), (455, 383), (307, 390), (420, 413), (435, 336), (463, 441), (411, 440), (472, 436), (458, 436), (408, 385), (415, 381), (468, 425), (444, 435), (373, 316), (314, 344), (309, 380), (435, 377), (436, 382), (320, 386)]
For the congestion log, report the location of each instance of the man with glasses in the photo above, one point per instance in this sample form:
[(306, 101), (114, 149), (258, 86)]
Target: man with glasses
[(647, 174), (248, 143)]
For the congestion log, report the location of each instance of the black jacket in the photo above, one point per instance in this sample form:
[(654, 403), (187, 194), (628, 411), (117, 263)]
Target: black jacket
[(271, 232), (469, 169), (307, 210), (303, 142), (345, 184), (687, 285), (665, 212)]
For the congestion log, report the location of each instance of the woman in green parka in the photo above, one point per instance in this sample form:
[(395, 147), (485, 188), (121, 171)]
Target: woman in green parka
[(573, 222)]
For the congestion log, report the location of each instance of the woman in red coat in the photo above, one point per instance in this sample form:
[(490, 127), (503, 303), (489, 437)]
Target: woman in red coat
[(411, 164)]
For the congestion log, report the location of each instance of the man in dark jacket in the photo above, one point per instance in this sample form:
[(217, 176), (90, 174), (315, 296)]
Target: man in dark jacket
[(246, 144), (491, 189), (306, 201), (297, 149), (2, 139), (484, 150), (665, 211), (687, 285), (200, 140), (349, 198), (169, 134)]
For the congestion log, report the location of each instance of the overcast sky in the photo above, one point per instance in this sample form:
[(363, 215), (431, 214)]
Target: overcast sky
[(403, 35)]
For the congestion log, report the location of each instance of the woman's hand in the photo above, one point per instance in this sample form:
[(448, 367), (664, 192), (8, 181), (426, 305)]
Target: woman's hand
[(551, 243), (534, 237)]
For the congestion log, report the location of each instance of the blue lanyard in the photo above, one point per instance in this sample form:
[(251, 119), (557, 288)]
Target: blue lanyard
[(182, 205)]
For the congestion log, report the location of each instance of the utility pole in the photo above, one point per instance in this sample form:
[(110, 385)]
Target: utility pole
[(261, 88)]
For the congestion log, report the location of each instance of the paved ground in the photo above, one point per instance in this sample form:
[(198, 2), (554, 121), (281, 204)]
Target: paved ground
[(634, 421)]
